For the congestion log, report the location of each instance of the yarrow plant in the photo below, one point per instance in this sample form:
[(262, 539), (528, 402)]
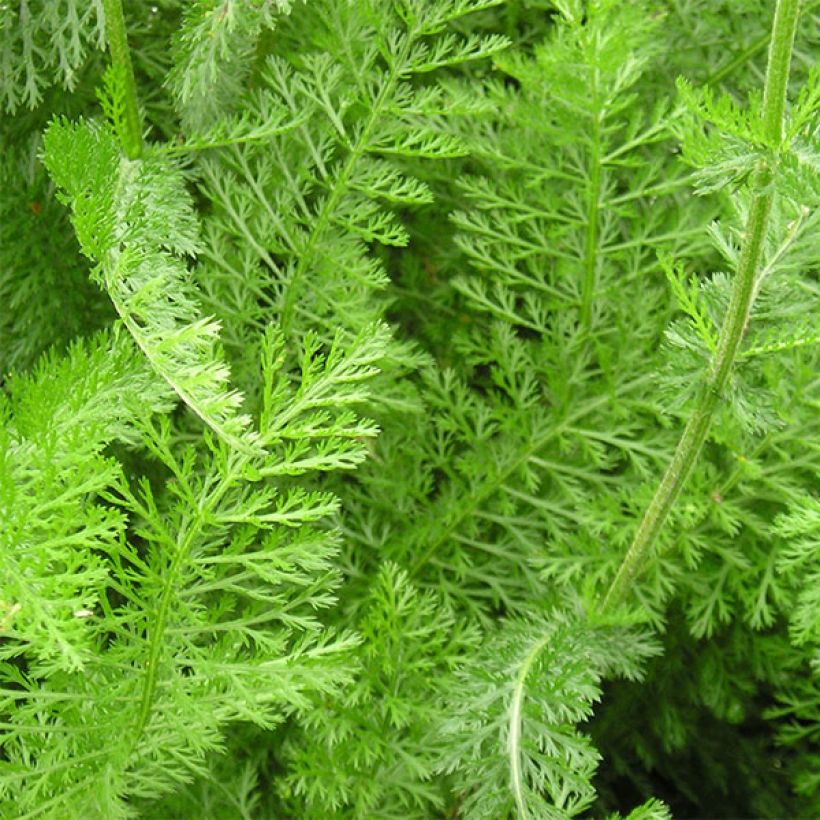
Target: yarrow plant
[(408, 408)]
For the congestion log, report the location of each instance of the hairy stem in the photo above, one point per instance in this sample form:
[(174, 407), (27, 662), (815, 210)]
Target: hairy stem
[(121, 60), (734, 323)]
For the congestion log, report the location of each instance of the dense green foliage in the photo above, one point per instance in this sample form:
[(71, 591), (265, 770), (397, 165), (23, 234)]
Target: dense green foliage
[(344, 345)]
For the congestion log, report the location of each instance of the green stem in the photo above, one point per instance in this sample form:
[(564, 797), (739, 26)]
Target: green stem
[(734, 323), (591, 251), (121, 60), (156, 635)]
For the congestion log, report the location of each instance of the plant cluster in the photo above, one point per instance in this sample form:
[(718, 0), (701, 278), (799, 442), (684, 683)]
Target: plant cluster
[(409, 408)]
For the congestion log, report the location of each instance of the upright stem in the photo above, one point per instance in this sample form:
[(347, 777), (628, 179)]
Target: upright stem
[(121, 60), (737, 314)]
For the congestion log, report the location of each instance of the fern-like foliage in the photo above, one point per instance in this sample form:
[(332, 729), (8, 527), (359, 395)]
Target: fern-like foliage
[(561, 235), (135, 220), (325, 431), (801, 527), (42, 42), (512, 734), (798, 708), (521, 448), (373, 751), (523, 463), (213, 54), (339, 177), (56, 425), (236, 570)]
